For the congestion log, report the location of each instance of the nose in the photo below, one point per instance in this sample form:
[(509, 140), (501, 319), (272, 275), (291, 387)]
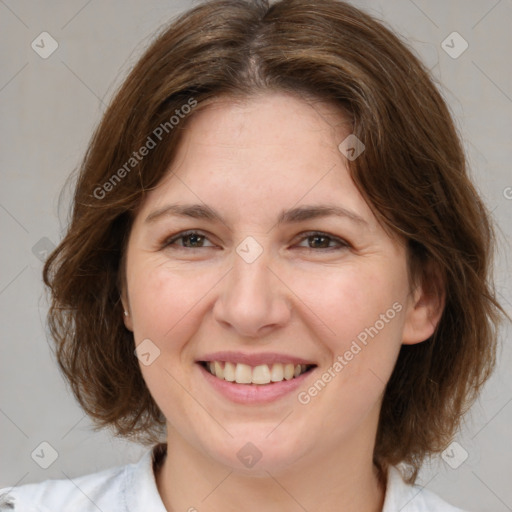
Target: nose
[(253, 300)]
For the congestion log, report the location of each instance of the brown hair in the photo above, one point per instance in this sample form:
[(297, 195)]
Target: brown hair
[(412, 174)]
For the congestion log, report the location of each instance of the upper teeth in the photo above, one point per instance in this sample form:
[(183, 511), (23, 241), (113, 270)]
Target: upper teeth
[(261, 374)]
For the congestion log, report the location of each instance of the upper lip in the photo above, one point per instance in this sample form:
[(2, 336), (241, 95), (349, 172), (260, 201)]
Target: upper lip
[(254, 359)]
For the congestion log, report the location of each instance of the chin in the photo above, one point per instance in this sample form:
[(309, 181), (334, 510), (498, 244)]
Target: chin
[(257, 454)]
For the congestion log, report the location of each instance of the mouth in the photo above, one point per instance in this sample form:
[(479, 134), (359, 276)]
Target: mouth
[(260, 375)]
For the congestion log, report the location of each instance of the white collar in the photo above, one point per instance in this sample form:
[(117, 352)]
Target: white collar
[(142, 492)]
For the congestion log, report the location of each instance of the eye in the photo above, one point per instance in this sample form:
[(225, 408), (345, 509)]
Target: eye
[(320, 240), (196, 240), (189, 240)]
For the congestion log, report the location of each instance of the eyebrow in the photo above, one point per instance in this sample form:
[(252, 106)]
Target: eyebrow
[(290, 216)]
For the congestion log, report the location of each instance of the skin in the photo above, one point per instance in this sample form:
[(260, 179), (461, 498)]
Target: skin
[(249, 159)]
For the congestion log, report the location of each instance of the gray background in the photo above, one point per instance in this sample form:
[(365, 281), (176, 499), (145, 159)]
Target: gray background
[(48, 109)]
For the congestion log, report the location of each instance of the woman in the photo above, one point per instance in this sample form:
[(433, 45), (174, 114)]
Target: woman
[(277, 271)]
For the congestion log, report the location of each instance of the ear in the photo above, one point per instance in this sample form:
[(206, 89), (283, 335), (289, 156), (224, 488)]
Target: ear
[(122, 287), (427, 301), (127, 318)]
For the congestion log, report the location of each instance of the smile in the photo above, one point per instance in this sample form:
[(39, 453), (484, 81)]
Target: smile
[(261, 374)]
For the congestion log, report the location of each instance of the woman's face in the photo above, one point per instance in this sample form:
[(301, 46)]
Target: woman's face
[(270, 285)]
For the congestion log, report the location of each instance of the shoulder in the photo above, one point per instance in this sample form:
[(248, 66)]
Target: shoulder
[(412, 498), (111, 489), (83, 493)]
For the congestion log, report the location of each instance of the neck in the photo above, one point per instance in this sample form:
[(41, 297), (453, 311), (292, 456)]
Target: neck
[(341, 480)]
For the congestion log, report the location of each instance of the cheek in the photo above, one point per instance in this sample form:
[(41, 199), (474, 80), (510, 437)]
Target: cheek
[(361, 314), (167, 303), (165, 299), (348, 301)]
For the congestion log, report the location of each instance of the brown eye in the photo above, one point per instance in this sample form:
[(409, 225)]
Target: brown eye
[(189, 240), (318, 240), (193, 240)]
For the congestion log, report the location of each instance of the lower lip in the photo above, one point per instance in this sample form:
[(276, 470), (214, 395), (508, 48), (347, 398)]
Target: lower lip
[(253, 393)]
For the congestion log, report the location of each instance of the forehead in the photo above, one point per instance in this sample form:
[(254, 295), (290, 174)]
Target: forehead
[(270, 151), (268, 118), (266, 134)]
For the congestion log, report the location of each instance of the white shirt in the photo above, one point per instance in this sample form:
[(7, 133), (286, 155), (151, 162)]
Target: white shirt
[(132, 488)]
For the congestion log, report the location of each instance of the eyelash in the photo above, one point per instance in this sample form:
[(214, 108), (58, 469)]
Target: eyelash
[(343, 244)]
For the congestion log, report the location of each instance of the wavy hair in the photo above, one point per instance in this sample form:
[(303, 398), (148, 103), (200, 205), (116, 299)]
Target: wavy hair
[(412, 174)]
